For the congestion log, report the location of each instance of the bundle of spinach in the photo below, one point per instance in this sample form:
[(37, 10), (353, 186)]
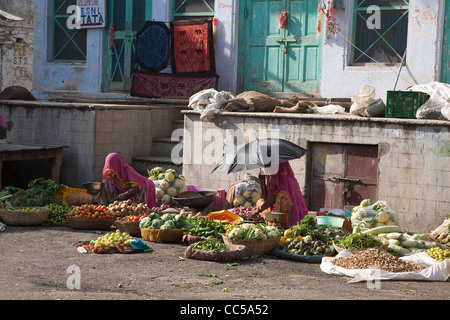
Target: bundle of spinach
[(41, 192)]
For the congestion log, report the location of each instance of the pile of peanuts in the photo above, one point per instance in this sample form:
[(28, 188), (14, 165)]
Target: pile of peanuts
[(373, 258)]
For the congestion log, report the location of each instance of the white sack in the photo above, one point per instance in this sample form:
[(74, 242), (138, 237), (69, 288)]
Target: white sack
[(438, 106), (433, 271), (208, 102)]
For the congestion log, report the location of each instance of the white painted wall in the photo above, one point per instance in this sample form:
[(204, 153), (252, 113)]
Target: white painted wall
[(423, 57)]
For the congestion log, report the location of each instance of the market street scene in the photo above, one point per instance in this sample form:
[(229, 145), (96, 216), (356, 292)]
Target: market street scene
[(232, 151)]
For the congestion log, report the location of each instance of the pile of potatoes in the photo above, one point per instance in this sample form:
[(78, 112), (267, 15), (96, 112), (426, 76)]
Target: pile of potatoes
[(128, 207)]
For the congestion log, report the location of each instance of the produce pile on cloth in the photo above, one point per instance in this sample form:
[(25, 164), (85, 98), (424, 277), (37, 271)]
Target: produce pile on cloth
[(405, 254)]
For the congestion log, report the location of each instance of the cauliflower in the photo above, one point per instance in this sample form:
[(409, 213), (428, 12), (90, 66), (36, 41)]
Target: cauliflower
[(383, 217), (238, 200), (361, 212), (272, 234), (170, 176), (259, 234), (234, 233), (172, 191), (164, 185), (366, 202), (161, 176), (255, 196), (178, 183), (166, 198), (247, 225), (159, 192), (248, 204)]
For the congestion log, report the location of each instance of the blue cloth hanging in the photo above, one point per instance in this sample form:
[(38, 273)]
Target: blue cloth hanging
[(153, 46)]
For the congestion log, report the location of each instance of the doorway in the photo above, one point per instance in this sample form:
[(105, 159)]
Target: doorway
[(280, 61), (342, 174), (124, 19)]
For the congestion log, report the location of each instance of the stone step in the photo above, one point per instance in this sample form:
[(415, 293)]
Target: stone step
[(163, 146), (144, 163)]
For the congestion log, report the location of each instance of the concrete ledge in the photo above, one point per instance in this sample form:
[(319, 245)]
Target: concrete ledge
[(328, 117)]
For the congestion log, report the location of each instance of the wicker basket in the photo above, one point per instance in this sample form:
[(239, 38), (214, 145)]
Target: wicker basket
[(256, 247), (158, 235), (25, 218), (90, 223), (130, 227), (384, 246), (78, 199)]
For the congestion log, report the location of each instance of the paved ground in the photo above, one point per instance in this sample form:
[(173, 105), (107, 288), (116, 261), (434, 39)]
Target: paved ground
[(35, 261)]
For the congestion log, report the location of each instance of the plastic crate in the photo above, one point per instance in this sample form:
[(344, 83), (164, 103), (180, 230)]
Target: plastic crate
[(63, 192), (404, 104)]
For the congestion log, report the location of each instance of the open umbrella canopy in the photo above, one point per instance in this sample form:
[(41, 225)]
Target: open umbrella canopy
[(259, 153)]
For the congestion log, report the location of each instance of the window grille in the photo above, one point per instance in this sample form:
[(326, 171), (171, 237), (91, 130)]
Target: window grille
[(68, 44), (380, 31)]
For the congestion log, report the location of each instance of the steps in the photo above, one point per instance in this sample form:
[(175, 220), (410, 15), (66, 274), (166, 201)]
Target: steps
[(161, 156)]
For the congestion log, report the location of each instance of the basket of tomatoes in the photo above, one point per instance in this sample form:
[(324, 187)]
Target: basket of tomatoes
[(91, 217), (130, 224)]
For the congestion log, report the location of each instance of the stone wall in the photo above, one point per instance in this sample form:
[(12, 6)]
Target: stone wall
[(414, 155), (88, 131), (16, 44)]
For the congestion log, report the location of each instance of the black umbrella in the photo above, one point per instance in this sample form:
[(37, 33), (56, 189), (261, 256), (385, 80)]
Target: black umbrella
[(259, 153)]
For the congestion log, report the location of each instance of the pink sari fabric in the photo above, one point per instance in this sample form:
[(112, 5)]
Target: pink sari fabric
[(115, 163), (285, 180)]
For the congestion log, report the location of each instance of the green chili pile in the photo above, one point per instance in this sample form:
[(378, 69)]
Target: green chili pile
[(357, 241), (210, 245)]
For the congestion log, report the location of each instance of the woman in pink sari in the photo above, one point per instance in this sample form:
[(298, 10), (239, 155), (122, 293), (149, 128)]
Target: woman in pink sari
[(121, 182), (282, 193)]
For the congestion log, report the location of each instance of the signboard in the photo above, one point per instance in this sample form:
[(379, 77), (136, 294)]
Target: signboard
[(91, 13)]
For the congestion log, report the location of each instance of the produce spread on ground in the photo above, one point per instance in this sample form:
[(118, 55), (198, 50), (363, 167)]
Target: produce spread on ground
[(374, 241)]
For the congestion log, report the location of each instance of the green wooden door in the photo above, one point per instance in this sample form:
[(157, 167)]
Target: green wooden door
[(445, 69), (279, 62), (125, 19)]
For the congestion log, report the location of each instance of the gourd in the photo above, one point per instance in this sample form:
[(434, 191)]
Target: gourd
[(382, 229)]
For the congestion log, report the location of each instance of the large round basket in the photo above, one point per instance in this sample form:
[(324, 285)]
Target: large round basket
[(90, 223), (130, 227), (256, 247), (25, 218), (158, 235), (384, 246)]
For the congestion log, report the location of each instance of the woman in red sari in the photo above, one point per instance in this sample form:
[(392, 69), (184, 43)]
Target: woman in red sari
[(282, 193), (121, 182)]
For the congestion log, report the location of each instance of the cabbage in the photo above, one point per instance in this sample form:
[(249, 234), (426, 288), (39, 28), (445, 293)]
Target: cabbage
[(145, 223), (166, 217), (156, 223), (170, 224)]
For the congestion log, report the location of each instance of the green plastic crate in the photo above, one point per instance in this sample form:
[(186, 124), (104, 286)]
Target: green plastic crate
[(404, 104)]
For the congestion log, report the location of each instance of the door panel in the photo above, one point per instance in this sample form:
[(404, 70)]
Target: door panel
[(287, 60), (342, 174), (125, 19)]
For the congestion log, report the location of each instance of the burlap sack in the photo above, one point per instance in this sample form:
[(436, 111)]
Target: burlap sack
[(236, 252)]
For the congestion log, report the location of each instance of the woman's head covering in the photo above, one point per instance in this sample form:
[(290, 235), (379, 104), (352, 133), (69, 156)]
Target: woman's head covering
[(123, 171), (284, 179)]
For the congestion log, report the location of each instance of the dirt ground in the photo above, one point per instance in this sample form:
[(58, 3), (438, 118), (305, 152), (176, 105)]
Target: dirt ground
[(35, 264)]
